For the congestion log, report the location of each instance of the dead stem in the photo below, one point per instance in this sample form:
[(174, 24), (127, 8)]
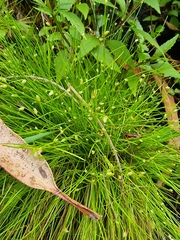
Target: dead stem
[(44, 80)]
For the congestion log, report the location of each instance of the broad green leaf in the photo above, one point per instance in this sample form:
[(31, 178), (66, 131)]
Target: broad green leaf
[(159, 30), (62, 62), (102, 19), (148, 37), (105, 2), (154, 4), (142, 56), (54, 36), (177, 3), (3, 33), (177, 90), (74, 20), (151, 18), (171, 91), (83, 8), (122, 5), (74, 33), (45, 10), (65, 4), (43, 7), (87, 45), (174, 21), (121, 53), (133, 83), (166, 69), (103, 55), (165, 46), (37, 136), (163, 2), (44, 31), (135, 23), (173, 13)]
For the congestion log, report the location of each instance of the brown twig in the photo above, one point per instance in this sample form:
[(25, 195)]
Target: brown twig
[(44, 80)]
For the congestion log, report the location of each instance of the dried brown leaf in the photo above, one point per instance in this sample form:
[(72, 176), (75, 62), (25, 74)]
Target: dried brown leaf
[(172, 27), (33, 171), (171, 110)]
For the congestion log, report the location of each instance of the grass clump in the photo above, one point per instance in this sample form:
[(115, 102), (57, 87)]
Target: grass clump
[(78, 150)]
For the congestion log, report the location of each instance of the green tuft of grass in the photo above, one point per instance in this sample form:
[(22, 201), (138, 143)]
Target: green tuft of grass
[(79, 152)]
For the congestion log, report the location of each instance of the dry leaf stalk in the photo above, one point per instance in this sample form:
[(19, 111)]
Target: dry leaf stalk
[(170, 108), (33, 171), (171, 112)]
